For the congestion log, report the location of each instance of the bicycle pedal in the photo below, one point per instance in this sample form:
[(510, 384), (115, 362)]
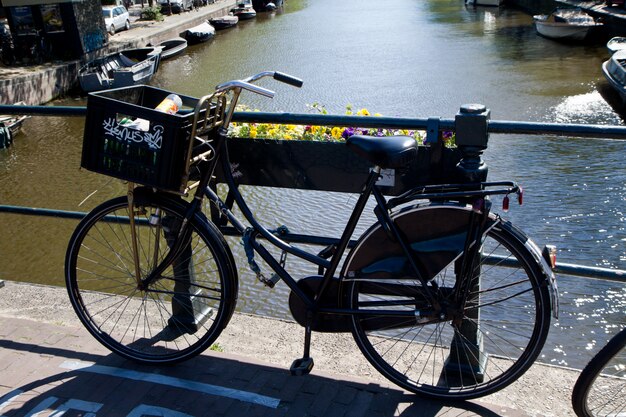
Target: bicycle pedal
[(302, 366), (270, 282)]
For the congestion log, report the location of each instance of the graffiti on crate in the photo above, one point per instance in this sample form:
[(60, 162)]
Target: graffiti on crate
[(149, 135)]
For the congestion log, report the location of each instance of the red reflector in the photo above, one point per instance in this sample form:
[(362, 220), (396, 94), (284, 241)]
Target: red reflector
[(520, 196), (549, 254), (505, 203)]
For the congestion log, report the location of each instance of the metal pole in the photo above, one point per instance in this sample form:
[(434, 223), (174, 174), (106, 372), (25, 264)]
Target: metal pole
[(467, 361)]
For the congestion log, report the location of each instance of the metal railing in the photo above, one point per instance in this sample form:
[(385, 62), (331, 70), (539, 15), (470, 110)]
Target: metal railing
[(472, 126)]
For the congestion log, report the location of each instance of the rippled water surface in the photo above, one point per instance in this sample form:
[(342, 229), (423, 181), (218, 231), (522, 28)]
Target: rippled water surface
[(407, 58)]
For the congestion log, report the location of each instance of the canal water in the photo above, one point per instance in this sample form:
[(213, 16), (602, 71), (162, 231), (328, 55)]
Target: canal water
[(399, 58)]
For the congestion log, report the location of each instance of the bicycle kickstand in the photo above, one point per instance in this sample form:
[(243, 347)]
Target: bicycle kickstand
[(304, 365)]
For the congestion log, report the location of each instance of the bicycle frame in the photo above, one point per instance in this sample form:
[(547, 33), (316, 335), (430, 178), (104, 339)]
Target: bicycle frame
[(475, 193), (337, 249)]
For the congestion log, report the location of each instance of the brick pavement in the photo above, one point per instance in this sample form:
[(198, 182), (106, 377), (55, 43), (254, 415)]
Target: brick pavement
[(49, 370)]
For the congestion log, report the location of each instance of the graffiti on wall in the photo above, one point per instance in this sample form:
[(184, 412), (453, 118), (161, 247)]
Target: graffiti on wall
[(94, 40)]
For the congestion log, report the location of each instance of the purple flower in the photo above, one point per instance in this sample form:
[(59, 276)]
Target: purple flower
[(348, 131)]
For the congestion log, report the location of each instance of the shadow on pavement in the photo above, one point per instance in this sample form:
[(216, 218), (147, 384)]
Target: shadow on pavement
[(63, 381)]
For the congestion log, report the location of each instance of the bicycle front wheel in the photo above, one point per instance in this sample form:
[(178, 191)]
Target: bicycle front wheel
[(179, 314), (600, 390), (472, 349)]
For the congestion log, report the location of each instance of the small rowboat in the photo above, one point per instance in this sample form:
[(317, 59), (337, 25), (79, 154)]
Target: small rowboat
[(10, 125), (565, 24), (121, 69), (172, 47), (224, 22), (616, 44)]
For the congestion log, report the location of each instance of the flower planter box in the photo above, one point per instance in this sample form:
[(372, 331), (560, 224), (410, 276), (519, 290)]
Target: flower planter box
[(331, 166)]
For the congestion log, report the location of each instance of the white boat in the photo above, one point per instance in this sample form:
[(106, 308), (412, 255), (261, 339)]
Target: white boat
[(614, 70), (565, 24), (10, 125), (616, 44), (198, 34), (172, 47), (244, 10), (121, 69)]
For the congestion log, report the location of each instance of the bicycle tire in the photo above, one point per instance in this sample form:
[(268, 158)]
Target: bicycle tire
[(180, 314), (600, 390), (436, 359)]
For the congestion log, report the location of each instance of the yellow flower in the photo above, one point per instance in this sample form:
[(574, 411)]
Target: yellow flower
[(336, 132), (363, 112), (287, 137)]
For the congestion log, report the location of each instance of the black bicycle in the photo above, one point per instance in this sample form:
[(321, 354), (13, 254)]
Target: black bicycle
[(600, 390), (442, 296)]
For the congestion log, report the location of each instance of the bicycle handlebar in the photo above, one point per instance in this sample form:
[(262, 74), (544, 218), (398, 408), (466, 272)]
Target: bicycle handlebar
[(288, 79), (243, 85), (236, 86), (246, 83)]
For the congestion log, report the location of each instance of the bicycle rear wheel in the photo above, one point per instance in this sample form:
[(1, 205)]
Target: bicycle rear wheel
[(600, 390), (177, 316), (473, 349)]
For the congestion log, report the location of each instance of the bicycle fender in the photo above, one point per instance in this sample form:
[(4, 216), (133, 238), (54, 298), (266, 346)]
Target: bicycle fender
[(376, 254), (546, 270)]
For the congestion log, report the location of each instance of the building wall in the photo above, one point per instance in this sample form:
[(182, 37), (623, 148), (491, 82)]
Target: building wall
[(90, 30)]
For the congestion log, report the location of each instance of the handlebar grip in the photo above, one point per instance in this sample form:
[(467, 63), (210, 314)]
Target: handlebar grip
[(288, 79)]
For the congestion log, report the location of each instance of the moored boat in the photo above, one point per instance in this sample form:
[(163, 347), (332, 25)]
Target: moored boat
[(614, 70), (616, 44), (224, 22), (172, 47), (565, 24), (494, 3), (10, 125), (198, 34), (244, 11), (121, 69)]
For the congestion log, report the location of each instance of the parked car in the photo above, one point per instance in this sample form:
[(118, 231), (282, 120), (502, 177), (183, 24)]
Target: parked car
[(116, 18), (175, 6)]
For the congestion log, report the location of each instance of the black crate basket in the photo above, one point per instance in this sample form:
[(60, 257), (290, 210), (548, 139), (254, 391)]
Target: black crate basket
[(157, 157)]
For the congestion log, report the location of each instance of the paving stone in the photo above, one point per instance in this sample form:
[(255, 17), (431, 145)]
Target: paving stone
[(34, 366), (323, 400), (359, 407)]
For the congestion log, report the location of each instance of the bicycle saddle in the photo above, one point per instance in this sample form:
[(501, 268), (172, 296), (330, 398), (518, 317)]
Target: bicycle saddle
[(385, 152)]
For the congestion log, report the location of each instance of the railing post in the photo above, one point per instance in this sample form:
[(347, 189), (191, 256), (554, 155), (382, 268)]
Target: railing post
[(467, 362), (471, 138)]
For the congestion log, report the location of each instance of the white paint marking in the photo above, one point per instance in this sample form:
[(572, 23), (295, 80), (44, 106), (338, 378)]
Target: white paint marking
[(90, 407), (150, 410), (173, 382), (9, 398)]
